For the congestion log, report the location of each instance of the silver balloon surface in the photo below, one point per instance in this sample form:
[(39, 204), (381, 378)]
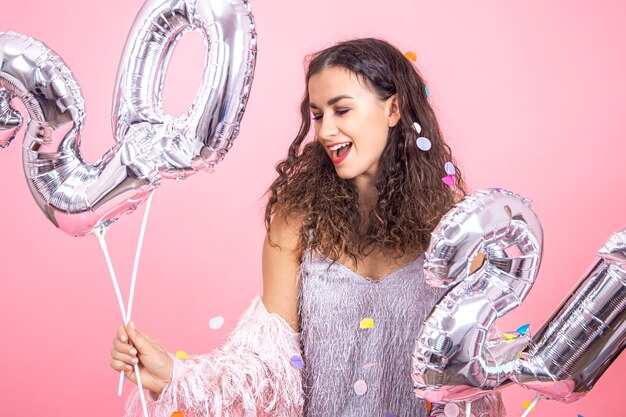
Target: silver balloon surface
[(453, 358), (78, 197), (10, 119), (584, 335)]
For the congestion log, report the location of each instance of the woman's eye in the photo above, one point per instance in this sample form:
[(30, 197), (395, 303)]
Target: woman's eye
[(338, 112)]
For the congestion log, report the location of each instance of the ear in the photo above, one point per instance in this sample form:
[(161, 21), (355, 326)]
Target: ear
[(393, 108)]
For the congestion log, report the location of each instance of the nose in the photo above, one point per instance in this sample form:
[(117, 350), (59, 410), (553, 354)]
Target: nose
[(327, 128)]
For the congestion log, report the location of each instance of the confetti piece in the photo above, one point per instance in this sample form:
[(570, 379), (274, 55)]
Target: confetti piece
[(296, 362), (427, 92), (448, 180), (216, 322), (450, 169), (369, 365), (523, 329), (411, 55), (509, 337), (429, 406), (423, 143), (182, 355), (360, 387), (177, 414), (417, 127), (367, 323), (451, 410), (526, 404)]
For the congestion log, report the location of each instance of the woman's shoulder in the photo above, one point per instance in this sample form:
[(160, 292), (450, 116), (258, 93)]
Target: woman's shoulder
[(286, 228)]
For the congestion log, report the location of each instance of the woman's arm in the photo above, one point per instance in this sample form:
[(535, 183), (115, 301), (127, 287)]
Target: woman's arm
[(281, 260), (251, 374)]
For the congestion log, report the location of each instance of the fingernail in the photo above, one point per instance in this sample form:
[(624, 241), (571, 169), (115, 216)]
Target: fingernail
[(135, 360), (132, 325), (133, 351), (123, 338)]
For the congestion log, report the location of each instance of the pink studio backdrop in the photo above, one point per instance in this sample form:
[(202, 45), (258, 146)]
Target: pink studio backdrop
[(531, 96)]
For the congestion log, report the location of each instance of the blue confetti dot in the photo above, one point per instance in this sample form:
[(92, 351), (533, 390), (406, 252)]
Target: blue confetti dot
[(296, 362), (423, 143), (523, 329), (449, 167), (426, 90)]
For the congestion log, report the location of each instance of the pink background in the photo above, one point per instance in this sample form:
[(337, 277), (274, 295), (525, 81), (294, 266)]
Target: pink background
[(531, 96)]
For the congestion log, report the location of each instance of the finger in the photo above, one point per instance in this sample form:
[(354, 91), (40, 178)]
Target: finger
[(127, 359), (130, 375), (124, 347), (120, 366), (140, 340), (121, 333)]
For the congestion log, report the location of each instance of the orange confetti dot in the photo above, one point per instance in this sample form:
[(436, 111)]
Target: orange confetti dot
[(177, 414), (411, 55), (182, 355), (367, 323), (428, 405)]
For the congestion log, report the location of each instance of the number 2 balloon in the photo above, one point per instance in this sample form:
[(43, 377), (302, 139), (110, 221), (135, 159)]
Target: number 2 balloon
[(454, 359)]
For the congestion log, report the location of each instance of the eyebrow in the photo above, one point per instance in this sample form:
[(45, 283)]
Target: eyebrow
[(331, 101)]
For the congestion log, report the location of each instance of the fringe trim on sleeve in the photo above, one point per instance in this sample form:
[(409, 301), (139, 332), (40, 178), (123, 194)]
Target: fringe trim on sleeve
[(250, 375)]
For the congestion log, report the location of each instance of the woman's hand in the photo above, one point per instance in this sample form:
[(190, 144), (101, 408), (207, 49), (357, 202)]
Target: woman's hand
[(155, 364)]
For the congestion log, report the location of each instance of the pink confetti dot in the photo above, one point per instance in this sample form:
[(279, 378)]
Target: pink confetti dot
[(451, 410), (448, 180), (360, 387)]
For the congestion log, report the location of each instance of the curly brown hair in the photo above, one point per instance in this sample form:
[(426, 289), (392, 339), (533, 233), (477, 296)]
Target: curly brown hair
[(411, 194)]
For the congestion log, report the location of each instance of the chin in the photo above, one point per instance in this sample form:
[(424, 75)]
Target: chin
[(344, 174)]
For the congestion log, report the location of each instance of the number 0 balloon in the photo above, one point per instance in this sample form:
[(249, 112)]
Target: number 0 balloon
[(150, 144)]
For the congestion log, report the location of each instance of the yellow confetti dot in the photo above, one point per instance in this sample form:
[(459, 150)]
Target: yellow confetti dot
[(411, 55), (367, 323), (526, 404), (182, 355), (509, 336), (177, 414)]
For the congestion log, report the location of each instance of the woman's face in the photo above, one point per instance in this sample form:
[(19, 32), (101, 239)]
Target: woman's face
[(350, 121)]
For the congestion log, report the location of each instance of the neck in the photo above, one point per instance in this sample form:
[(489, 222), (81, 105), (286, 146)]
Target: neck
[(368, 195)]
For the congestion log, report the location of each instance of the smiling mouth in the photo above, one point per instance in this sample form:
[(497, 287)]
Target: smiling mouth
[(339, 152)]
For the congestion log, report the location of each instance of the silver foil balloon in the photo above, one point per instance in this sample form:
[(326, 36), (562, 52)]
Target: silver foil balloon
[(10, 119), (150, 144), (585, 333), (453, 358)]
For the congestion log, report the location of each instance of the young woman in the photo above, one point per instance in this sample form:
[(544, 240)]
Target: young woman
[(348, 220)]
